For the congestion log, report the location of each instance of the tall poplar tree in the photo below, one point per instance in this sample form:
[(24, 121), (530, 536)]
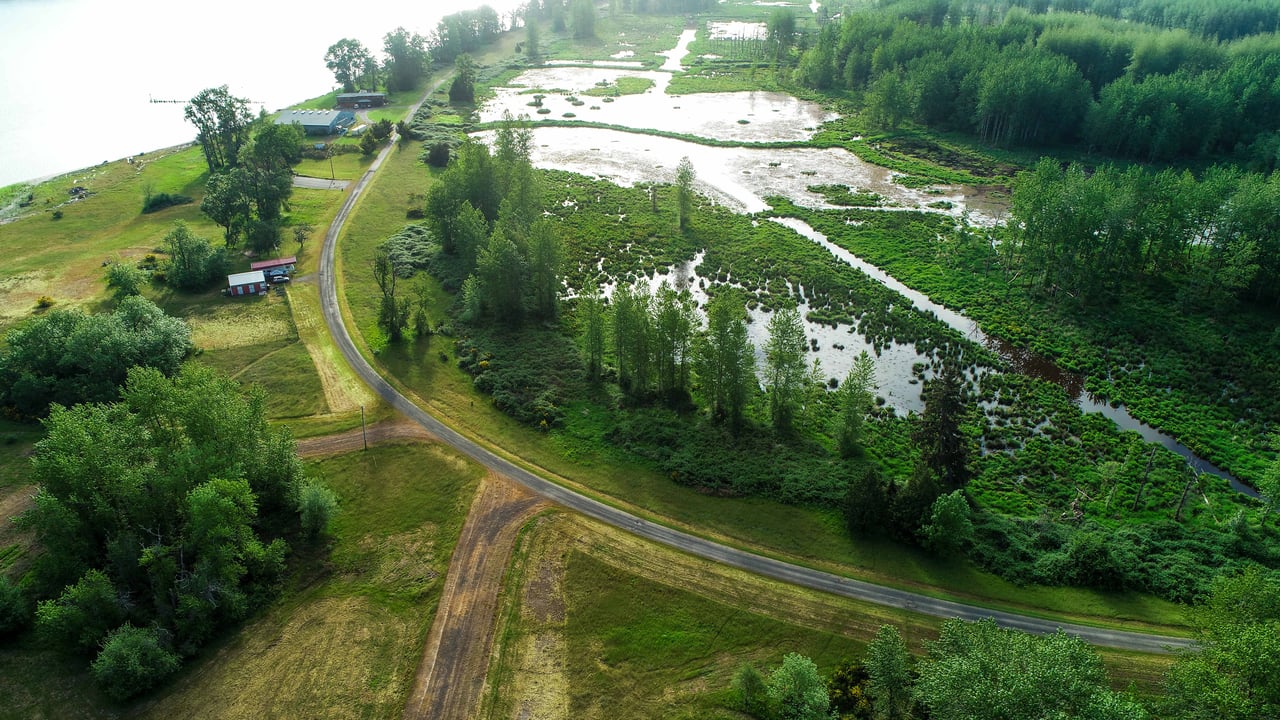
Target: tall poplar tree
[(725, 360), (785, 370)]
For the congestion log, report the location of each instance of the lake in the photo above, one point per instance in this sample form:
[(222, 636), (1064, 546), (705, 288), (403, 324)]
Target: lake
[(78, 74)]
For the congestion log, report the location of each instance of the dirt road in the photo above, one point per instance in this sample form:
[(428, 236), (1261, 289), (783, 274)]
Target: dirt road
[(353, 440), (452, 674)]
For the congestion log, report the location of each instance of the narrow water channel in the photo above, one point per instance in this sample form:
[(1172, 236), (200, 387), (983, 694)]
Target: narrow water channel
[(742, 177), (1020, 360)]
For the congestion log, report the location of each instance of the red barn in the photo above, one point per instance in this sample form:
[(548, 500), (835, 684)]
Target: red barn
[(247, 283)]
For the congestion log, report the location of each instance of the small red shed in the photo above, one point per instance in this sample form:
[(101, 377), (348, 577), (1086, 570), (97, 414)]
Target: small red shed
[(247, 283)]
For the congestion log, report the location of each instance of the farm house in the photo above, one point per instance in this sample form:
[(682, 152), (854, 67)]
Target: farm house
[(247, 283)]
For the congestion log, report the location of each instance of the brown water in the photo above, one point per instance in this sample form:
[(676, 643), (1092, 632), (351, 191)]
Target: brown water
[(742, 177)]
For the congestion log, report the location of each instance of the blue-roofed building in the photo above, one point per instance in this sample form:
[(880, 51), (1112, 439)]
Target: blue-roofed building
[(317, 122)]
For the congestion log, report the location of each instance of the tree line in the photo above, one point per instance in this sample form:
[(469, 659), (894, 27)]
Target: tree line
[(980, 671), (1057, 79), (1091, 234), (165, 503)]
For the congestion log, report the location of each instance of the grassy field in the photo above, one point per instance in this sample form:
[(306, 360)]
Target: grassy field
[(594, 620), (256, 339), (64, 258), (344, 639)]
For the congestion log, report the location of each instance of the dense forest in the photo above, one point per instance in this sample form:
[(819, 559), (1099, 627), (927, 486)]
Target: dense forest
[(1069, 79)]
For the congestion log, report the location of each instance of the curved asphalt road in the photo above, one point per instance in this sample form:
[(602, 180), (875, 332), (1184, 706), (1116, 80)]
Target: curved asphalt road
[(768, 567)]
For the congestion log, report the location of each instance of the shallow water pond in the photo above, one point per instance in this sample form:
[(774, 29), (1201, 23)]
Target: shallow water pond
[(746, 117), (740, 178)]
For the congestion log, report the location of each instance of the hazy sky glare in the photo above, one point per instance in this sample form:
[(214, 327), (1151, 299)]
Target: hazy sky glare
[(76, 75)]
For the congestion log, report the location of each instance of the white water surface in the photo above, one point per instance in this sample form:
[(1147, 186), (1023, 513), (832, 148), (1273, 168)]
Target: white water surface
[(76, 75)]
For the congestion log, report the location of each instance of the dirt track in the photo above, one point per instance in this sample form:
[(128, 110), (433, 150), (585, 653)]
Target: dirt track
[(351, 440), (454, 664)]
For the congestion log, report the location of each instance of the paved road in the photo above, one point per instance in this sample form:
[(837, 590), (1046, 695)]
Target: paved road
[(702, 547)]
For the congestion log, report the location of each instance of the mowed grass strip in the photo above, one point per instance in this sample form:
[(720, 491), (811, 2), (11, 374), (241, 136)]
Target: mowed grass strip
[(596, 619)]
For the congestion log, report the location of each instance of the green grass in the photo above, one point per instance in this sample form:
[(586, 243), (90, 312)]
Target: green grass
[(64, 258), (380, 214), (344, 638), (644, 35), (811, 536), (626, 85), (16, 442), (345, 166), (668, 653), (289, 376)]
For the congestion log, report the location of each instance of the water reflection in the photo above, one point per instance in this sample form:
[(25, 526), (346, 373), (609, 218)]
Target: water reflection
[(741, 177), (1020, 359)]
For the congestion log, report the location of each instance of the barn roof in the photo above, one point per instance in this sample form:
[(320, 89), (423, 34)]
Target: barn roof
[(311, 118), (246, 278), (278, 262)]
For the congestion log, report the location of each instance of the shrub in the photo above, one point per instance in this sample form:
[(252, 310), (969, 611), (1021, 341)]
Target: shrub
[(438, 153), (159, 201), (57, 214), (15, 608), (410, 250), (125, 279), (44, 301), (82, 615), (316, 507), (132, 661)]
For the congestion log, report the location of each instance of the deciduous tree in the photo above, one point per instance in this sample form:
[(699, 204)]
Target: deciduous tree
[(406, 58), (674, 320), (949, 527), (786, 372), (725, 359), (979, 671), (69, 357), (889, 681), (1230, 675), (684, 192), (393, 311), (222, 125), (347, 59), (854, 401), (546, 258), (797, 691), (193, 262), (591, 333), (463, 87)]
